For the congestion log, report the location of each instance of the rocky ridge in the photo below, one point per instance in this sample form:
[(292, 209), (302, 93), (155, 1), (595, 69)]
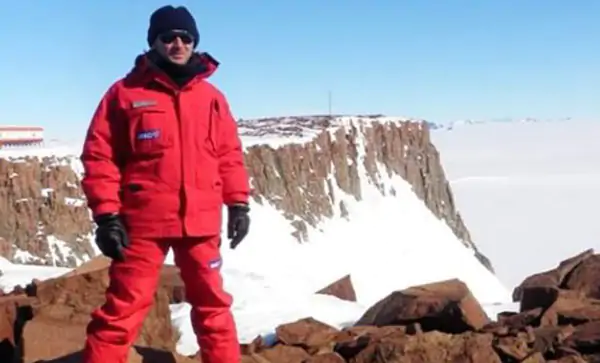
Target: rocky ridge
[(558, 322), (308, 168), (323, 160)]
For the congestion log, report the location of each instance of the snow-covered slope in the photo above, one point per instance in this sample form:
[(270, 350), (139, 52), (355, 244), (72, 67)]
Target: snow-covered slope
[(388, 246), (390, 241), (528, 191)]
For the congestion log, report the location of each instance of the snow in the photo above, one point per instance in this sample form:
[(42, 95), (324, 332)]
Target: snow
[(280, 131), (388, 243), (16, 274), (19, 152), (527, 191)]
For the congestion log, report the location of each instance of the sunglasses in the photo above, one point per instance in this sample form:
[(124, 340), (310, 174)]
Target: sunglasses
[(169, 37)]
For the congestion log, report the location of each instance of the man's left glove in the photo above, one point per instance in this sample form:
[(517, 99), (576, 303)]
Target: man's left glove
[(111, 236), (238, 223)]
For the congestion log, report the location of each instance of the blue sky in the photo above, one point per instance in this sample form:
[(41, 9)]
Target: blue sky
[(434, 59)]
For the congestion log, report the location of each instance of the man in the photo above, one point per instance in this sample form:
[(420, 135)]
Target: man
[(161, 157)]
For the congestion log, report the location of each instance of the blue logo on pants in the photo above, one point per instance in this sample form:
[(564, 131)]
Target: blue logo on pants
[(215, 264)]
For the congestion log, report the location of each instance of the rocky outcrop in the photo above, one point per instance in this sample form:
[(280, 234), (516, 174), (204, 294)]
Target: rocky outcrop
[(441, 322), (320, 165), (558, 322), (48, 319), (342, 289), (325, 155), (43, 217)]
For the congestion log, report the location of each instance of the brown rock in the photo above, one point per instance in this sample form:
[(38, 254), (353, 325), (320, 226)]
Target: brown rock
[(513, 348), (254, 358), (45, 338), (284, 354), (42, 197), (534, 297), (325, 358), (136, 355), (585, 338), (255, 346), (8, 316), (342, 289), (61, 311), (518, 321), (447, 306), (548, 340), (574, 358), (172, 284), (496, 329), (536, 357), (431, 347), (584, 277), (354, 339), (309, 334), (552, 278), (151, 355), (571, 307), (13, 315)]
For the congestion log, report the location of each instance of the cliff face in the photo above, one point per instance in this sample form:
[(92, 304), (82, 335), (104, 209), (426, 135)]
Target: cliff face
[(43, 217), (319, 163), (301, 179)]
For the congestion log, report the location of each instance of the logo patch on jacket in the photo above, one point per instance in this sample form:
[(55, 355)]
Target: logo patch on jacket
[(148, 134), (143, 103), (215, 264)]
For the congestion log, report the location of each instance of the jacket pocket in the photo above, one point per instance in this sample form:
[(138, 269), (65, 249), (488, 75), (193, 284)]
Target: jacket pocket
[(151, 133), (211, 140)]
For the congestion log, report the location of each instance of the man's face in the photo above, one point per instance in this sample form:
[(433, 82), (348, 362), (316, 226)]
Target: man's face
[(175, 45)]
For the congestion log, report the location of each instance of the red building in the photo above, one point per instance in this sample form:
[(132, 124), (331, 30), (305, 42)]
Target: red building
[(21, 136)]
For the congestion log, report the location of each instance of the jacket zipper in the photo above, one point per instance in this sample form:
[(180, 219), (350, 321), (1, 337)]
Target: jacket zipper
[(182, 194)]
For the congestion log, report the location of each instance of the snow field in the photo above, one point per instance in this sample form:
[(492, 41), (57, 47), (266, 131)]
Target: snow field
[(528, 192)]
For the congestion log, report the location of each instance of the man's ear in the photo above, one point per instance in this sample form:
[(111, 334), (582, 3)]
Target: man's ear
[(155, 44)]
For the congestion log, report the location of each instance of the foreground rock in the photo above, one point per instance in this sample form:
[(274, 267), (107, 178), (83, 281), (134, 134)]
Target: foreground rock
[(558, 322), (448, 306), (48, 319), (136, 355)]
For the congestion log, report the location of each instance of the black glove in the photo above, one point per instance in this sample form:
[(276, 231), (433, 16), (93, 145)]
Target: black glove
[(238, 223), (111, 237)]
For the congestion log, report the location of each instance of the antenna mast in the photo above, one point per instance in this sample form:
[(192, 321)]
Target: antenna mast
[(329, 102)]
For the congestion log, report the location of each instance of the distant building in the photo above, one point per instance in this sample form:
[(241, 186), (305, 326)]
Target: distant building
[(21, 136)]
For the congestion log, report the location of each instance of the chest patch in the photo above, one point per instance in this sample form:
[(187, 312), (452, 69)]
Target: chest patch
[(148, 134), (143, 103)]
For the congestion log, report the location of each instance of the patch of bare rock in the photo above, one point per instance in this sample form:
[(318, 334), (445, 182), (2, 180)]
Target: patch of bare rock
[(558, 322)]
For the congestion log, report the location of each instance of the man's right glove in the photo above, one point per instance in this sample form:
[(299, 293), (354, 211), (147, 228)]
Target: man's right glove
[(111, 237)]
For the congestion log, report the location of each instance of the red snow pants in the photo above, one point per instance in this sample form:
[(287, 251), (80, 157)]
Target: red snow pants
[(116, 324)]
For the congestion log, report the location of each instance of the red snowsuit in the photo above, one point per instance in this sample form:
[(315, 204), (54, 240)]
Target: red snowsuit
[(166, 159)]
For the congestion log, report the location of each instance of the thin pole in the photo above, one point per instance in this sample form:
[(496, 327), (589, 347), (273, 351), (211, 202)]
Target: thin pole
[(329, 101)]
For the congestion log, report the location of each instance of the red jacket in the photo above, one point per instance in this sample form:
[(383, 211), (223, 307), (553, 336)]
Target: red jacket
[(165, 158)]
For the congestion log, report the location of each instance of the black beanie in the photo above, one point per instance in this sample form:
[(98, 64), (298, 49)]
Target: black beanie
[(170, 18)]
